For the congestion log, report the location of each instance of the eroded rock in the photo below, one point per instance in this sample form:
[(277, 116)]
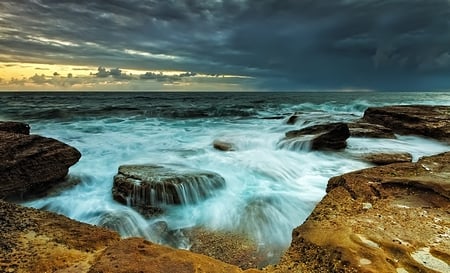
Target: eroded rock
[(30, 164), (387, 158), (150, 188), (405, 226), (364, 129), (331, 136), (425, 120), (224, 145)]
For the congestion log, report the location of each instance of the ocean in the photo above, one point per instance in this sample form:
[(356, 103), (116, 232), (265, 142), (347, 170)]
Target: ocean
[(269, 190)]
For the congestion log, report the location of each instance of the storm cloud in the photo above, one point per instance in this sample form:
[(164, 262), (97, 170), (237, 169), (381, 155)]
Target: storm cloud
[(284, 45)]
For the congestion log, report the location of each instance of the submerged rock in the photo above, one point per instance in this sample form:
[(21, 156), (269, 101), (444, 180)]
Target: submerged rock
[(149, 188), (387, 158), (331, 136), (223, 145), (31, 164), (425, 120), (391, 218), (364, 129)]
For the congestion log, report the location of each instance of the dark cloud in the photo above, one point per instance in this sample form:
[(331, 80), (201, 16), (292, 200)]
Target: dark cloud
[(284, 45)]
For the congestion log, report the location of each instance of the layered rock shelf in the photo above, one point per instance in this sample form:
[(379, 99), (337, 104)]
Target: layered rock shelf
[(31, 163), (149, 188), (390, 218)]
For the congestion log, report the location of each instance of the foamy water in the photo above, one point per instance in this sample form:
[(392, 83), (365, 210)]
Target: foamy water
[(269, 191)]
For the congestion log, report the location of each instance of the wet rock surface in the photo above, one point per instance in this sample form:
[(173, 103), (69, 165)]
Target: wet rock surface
[(30, 164), (149, 188), (364, 129), (387, 158), (390, 218), (37, 241), (429, 121), (331, 136), (222, 145)]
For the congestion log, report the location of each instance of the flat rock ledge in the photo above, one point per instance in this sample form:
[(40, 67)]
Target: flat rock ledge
[(150, 188), (425, 120), (37, 241), (31, 164), (392, 218), (387, 158)]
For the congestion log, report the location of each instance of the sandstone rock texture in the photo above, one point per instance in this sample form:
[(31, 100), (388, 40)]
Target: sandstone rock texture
[(37, 241), (364, 129), (151, 187), (392, 218), (387, 158), (331, 136), (30, 163), (430, 121)]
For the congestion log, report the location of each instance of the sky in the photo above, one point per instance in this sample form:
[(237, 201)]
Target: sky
[(233, 45)]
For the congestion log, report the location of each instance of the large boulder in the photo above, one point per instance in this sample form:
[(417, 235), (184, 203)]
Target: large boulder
[(391, 218), (38, 241), (425, 120), (150, 188), (30, 164), (331, 136)]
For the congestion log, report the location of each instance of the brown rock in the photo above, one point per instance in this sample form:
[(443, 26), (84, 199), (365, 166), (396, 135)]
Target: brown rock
[(388, 158), (429, 121), (137, 255), (223, 145), (318, 137), (151, 187), (391, 218), (30, 163), (37, 241), (363, 129), (15, 127)]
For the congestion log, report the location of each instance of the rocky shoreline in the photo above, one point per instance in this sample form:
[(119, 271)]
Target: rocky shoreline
[(390, 218)]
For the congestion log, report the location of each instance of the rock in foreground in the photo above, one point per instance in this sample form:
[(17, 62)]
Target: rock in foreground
[(15, 127), (391, 218), (318, 137), (151, 187), (30, 164), (37, 241), (430, 121)]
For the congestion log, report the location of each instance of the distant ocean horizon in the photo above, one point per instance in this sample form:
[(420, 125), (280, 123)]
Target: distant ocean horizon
[(269, 189)]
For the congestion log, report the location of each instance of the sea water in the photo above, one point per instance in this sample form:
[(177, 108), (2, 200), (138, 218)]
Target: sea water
[(269, 191)]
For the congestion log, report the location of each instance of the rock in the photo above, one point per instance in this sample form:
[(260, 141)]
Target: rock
[(292, 119), (363, 129), (223, 145), (37, 241), (15, 127), (138, 255), (387, 158), (425, 120), (30, 164), (318, 137), (229, 247), (152, 187), (405, 230)]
